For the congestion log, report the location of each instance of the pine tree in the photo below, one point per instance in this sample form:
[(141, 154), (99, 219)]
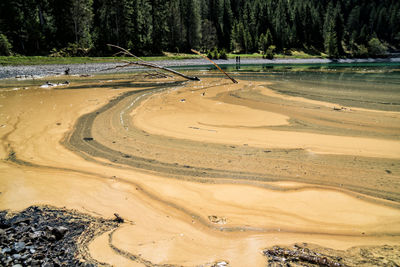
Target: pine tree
[(193, 24), (333, 31), (227, 20), (82, 17), (160, 27)]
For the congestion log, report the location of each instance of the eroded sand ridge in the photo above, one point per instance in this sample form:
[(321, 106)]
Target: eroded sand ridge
[(203, 171)]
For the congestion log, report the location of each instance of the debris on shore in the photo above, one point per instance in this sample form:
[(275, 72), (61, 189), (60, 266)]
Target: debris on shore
[(217, 219), (313, 255), (49, 84), (48, 236)]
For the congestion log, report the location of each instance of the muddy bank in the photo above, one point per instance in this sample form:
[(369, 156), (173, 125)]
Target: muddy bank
[(48, 236), (116, 144)]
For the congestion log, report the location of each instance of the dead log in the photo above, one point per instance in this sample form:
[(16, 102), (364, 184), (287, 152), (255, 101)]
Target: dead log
[(146, 64), (200, 54)]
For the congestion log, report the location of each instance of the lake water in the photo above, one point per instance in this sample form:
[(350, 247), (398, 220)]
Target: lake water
[(372, 86), (365, 85)]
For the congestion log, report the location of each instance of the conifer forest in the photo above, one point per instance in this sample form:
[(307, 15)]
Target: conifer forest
[(339, 28)]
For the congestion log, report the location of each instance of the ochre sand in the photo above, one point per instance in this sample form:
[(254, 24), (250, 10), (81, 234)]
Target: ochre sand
[(275, 169)]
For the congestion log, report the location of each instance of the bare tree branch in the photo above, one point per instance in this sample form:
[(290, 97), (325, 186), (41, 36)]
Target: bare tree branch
[(200, 54), (141, 62)]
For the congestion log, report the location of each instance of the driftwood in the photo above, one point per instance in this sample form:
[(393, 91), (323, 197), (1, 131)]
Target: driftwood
[(200, 54), (146, 64)]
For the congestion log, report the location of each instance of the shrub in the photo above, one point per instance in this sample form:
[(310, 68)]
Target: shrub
[(209, 54), (269, 54), (215, 54), (360, 51), (223, 55), (376, 48), (5, 46), (72, 50)]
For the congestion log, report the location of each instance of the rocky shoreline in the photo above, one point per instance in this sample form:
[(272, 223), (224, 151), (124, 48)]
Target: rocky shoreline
[(49, 237)]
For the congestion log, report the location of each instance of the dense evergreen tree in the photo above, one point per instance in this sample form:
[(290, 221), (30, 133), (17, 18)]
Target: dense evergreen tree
[(338, 28), (193, 24), (82, 16)]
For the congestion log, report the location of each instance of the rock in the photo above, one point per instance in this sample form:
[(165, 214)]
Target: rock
[(5, 250), (48, 264), (35, 263), (44, 236), (38, 256), (8, 260), (216, 219), (25, 256), (17, 265), (22, 220), (16, 256), (51, 238), (59, 232), (35, 235), (19, 246), (221, 264)]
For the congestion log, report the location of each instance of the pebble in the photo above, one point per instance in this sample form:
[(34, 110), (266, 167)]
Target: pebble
[(19, 246)]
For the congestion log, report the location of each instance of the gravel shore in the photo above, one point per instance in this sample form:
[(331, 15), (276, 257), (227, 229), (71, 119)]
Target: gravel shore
[(48, 236), (91, 68)]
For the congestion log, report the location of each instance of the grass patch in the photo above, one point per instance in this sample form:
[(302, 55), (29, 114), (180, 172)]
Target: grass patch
[(254, 55), (43, 60), (299, 55)]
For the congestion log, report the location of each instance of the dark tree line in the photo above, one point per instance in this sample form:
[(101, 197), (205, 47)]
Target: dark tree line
[(80, 27)]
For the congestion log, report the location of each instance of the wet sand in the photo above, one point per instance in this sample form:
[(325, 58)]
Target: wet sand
[(202, 171)]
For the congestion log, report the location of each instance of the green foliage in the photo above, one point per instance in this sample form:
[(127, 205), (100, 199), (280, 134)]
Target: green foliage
[(376, 48), (269, 53), (223, 54), (5, 46), (193, 24), (82, 16), (265, 41), (217, 54), (339, 28), (72, 50), (208, 35), (333, 30), (360, 51)]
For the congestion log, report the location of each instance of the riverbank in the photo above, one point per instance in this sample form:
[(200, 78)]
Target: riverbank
[(42, 70)]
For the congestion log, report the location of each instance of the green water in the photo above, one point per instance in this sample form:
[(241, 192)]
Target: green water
[(366, 85), (372, 86)]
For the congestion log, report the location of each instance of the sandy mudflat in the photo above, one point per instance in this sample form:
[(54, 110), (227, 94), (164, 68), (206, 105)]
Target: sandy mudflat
[(202, 171)]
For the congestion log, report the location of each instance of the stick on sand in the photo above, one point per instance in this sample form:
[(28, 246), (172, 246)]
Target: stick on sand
[(141, 62), (200, 54)]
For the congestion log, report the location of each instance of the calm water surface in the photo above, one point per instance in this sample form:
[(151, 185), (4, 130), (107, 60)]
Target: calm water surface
[(372, 86), (366, 85)]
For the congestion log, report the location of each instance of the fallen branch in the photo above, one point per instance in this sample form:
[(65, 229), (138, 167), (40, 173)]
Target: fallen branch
[(200, 54), (143, 63)]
